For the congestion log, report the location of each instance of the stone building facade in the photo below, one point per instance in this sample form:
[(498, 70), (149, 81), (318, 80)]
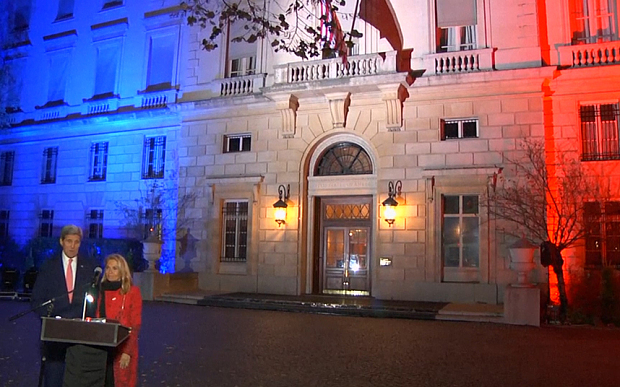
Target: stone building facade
[(427, 110)]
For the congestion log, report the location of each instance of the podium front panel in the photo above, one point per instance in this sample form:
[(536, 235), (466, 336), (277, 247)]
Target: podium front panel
[(107, 334)]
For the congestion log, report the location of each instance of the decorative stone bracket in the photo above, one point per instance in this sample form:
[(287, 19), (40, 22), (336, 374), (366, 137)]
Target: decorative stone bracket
[(288, 110), (394, 95), (339, 108)]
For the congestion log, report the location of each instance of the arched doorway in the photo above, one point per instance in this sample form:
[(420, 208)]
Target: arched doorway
[(342, 190)]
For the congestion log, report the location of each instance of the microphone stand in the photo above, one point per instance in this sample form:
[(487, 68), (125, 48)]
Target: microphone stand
[(50, 303)]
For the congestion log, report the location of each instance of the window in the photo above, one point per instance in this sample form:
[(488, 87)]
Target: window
[(599, 132), (21, 14), (7, 162), (59, 70), (98, 161), (241, 54), (344, 158), (48, 174), (461, 236), (237, 143), (456, 25), (12, 83), (94, 220), (112, 3), (162, 53), (151, 222), (451, 129), (153, 157), (235, 243), (593, 21), (602, 223), (4, 224), (107, 65), (46, 223), (65, 9)]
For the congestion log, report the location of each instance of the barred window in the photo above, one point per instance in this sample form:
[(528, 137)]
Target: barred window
[(4, 224), (50, 158), (94, 220), (46, 223), (235, 233), (153, 157), (151, 222), (7, 162), (98, 161), (237, 143), (451, 129), (599, 132), (602, 221)]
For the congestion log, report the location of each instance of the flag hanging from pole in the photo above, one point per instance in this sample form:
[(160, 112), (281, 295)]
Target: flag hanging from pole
[(331, 31)]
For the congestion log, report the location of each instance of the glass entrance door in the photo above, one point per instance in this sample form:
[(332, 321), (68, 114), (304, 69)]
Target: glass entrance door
[(346, 259)]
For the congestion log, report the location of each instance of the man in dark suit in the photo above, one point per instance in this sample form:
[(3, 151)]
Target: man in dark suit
[(65, 279)]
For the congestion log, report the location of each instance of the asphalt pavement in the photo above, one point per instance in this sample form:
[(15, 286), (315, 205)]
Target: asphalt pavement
[(192, 345)]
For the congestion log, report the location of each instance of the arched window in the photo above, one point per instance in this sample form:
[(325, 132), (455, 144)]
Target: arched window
[(344, 158)]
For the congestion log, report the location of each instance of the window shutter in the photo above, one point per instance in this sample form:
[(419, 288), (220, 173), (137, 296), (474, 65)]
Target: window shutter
[(452, 13)]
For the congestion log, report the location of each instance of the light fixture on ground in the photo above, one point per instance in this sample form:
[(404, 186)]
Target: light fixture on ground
[(389, 204), (280, 205)]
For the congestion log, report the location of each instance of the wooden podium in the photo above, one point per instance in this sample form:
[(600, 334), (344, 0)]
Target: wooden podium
[(96, 333)]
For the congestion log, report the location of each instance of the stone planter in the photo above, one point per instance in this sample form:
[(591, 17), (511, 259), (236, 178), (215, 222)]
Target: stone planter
[(522, 261), (151, 248)]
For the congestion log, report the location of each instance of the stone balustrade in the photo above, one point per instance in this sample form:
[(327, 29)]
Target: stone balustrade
[(584, 55), (335, 68), (248, 84), (459, 62)]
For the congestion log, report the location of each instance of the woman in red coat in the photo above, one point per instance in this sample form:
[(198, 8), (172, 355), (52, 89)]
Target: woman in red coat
[(120, 300)]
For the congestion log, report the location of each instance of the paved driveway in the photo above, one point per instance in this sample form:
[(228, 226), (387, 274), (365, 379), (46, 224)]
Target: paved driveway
[(184, 345)]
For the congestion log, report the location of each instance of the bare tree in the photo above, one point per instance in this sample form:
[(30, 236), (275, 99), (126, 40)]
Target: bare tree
[(545, 199), (291, 28), (156, 212)]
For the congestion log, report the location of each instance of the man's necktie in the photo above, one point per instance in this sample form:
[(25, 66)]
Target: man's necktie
[(69, 279)]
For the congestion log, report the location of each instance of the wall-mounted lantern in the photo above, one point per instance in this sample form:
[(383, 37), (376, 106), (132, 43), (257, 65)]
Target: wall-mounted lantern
[(389, 204), (280, 205)]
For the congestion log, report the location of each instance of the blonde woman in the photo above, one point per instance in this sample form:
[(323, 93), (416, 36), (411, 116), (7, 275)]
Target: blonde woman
[(120, 300)]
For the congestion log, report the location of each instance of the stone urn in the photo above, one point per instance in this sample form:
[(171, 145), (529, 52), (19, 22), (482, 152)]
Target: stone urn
[(151, 248), (522, 261)]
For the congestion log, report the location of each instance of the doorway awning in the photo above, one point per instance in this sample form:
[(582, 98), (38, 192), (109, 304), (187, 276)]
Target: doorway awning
[(380, 14)]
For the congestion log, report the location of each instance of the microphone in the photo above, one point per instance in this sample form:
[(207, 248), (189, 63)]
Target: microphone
[(96, 275)]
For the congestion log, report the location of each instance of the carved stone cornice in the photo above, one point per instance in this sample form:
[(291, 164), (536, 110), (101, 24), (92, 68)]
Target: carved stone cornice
[(394, 95), (288, 106), (339, 108)]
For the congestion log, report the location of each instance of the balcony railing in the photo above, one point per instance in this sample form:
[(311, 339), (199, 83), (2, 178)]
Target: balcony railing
[(153, 100), (245, 85), (459, 62), (318, 70), (100, 106), (586, 55)]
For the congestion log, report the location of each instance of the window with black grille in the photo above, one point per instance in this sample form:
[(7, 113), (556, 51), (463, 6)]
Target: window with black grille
[(235, 225), (98, 161), (152, 222), (46, 223), (153, 159), (599, 132), (602, 224), (7, 163), (344, 158), (237, 143), (48, 172), (4, 224), (453, 129), (94, 220)]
